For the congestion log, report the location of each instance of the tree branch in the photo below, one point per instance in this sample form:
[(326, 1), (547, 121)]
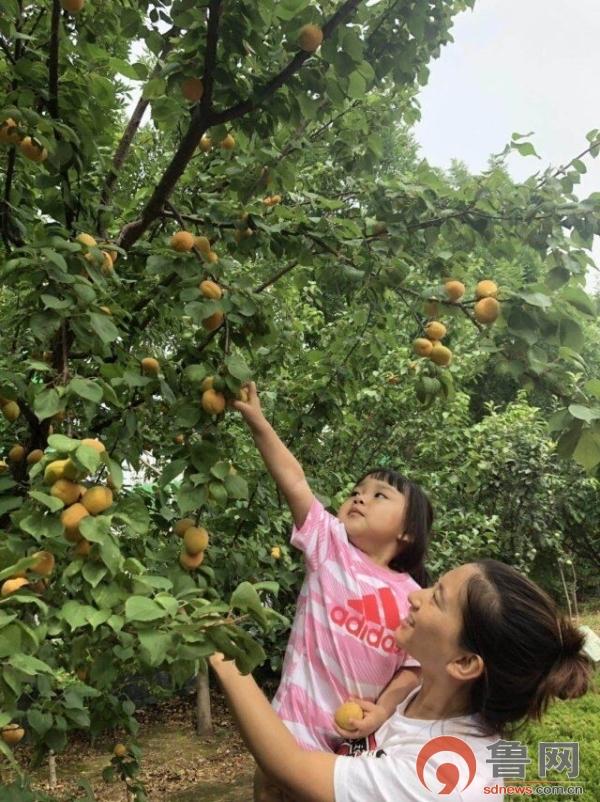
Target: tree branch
[(276, 276), (132, 128), (10, 169), (53, 60), (210, 55), (269, 89), (198, 124), (203, 117)]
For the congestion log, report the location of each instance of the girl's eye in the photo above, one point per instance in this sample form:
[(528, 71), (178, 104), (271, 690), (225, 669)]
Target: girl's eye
[(379, 493)]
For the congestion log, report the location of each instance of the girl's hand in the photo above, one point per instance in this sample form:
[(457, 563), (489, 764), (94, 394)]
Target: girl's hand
[(375, 716), (251, 410)]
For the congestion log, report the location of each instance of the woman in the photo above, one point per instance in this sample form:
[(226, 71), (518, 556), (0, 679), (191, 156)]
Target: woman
[(493, 652)]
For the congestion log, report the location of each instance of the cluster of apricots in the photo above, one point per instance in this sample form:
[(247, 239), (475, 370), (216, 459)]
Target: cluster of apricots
[(487, 306), (107, 259), (10, 134), (195, 542), (42, 569), (79, 500), (431, 346), (486, 310)]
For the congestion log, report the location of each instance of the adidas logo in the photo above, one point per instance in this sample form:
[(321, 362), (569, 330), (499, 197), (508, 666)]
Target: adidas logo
[(368, 625)]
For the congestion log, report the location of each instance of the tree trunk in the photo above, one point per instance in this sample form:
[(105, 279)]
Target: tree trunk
[(203, 717), (52, 769)]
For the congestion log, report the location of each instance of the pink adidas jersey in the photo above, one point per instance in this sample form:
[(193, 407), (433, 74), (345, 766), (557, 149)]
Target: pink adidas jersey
[(342, 639)]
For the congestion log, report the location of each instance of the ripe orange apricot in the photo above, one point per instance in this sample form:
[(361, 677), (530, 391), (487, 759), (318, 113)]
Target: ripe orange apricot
[(486, 289), (486, 310), (192, 89)]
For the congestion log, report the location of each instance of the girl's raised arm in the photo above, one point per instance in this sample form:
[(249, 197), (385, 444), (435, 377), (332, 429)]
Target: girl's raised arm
[(281, 463)]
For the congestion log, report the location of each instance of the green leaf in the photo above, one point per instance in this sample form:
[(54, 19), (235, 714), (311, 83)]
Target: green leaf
[(29, 664), (580, 300), (356, 85), (75, 614), (53, 504), (46, 404), (63, 444), (246, 599), (103, 327), (587, 451), (570, 334), (172, 471), (593, 387), (85, 388), (140, 608), (88, 457), (94, 573), (220, 469), (236, 486), (155, 645), (536, 299), (39, 722), (195, 373), (582, 412), (238, 368), (95, 528)]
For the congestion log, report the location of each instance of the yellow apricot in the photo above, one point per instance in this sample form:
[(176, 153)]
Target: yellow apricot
[(213, 321), (435, 330), (486, 310), (195, 539), (486, 289), (68, 492), (348, 712), (182, 241), (191, 561), (310, 38), (422, 347), (192, 89), (150, 366), (440, 354), (203, 244), (183, 525), (210, 289), (45, 563), (213, 402), (97, 499)]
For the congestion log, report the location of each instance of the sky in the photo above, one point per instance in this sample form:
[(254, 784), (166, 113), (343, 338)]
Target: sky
[(517, 65)]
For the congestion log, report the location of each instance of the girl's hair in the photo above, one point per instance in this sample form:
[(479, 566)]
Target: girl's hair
[(531, 652), (417, 523)]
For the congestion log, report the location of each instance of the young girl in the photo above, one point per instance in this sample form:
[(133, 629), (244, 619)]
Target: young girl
[(361, 566)]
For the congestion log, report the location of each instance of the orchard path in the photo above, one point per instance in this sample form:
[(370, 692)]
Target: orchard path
[(178, 766)]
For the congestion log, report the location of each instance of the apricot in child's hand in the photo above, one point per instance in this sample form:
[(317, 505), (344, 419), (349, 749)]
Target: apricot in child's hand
[(346, 712)]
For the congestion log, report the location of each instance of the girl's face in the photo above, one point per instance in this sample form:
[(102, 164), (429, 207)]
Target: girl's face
[(431, 630), (374, 515)]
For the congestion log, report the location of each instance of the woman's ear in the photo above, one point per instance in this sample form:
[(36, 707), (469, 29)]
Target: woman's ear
[(468, 667)]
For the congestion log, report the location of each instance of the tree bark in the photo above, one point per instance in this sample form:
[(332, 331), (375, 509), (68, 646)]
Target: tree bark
[(203, 715), (51, 769)]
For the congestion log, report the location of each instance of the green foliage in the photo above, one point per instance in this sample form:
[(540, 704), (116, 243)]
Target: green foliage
[(574, 720), (324, 293)]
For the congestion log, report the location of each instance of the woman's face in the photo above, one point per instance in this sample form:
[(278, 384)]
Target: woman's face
[(431, 630)]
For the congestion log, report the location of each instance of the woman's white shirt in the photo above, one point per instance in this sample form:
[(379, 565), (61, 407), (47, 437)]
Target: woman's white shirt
[(394, 772)]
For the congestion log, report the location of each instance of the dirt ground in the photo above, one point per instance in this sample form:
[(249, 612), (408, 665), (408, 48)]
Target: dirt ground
[(178, 765)]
